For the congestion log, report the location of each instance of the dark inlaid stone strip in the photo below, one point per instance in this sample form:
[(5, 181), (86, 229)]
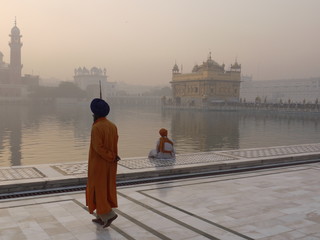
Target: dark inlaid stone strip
[(124, 234), (170, 218), (142, 225), (196, 216)]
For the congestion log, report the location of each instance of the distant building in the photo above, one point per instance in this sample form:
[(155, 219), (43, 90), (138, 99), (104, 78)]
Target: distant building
[(31, 81), (207, 83), (89, 81), (283, 90), (4, 71), (12, 85), (15, 66), (125, 89)]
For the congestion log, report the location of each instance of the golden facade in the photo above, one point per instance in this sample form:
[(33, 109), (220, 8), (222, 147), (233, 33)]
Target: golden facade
[(206, 83)]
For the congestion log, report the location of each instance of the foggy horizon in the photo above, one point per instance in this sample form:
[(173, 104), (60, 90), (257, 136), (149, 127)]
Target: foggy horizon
[(138, 42)]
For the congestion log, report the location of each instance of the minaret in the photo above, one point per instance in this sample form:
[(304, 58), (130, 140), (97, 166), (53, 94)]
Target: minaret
[(175, 69), (15, 55)]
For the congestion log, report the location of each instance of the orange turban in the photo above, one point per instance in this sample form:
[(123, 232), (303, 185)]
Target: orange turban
[(163, 132)]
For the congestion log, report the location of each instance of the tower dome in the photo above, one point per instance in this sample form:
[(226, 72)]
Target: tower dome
[(175, 68), (15, 30)]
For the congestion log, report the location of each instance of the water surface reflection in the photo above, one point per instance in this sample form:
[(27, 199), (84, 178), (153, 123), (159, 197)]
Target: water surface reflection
[(41, 133), (196, 131)]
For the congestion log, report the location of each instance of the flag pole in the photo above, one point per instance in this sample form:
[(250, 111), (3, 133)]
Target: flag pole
[(100, 89)]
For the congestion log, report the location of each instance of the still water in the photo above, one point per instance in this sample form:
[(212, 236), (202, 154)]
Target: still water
[(40, 133)]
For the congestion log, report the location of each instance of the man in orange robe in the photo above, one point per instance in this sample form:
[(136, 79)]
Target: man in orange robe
[(101, 193)]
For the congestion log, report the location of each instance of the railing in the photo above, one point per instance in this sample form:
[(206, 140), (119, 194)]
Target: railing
[(276, 107)]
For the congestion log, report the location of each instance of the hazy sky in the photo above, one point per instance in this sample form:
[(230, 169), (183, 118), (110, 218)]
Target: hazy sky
[(138, 41)]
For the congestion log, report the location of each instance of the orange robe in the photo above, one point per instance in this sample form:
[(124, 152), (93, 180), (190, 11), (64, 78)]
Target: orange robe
[(162, 141), (101, 193)]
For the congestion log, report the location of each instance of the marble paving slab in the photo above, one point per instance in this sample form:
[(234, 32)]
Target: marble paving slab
[(18, 173)]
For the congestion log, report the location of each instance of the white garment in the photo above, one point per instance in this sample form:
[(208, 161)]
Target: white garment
[(160, 155)]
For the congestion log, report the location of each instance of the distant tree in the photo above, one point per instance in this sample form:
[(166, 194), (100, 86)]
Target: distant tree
[(65, 90), (43, 92), (69, 90)]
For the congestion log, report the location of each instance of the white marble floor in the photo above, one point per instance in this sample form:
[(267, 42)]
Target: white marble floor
[(282, 203)]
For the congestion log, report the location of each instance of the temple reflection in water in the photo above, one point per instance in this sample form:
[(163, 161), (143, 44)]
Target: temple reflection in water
[(205, 131), (41, 133)]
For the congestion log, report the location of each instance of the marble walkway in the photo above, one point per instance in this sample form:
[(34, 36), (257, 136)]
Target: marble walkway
[(271, 203), (280, 203)]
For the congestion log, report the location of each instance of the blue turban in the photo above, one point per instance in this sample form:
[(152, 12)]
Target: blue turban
[(99, 107)]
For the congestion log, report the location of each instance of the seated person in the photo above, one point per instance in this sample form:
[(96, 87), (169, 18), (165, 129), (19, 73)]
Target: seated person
[(164, 148)]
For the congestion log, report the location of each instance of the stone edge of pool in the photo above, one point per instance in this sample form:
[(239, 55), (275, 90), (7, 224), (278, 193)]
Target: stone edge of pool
[(54, 176)]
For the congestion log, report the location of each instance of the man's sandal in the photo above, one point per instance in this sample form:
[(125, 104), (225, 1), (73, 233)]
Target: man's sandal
[(98, 220), (108, 223)]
